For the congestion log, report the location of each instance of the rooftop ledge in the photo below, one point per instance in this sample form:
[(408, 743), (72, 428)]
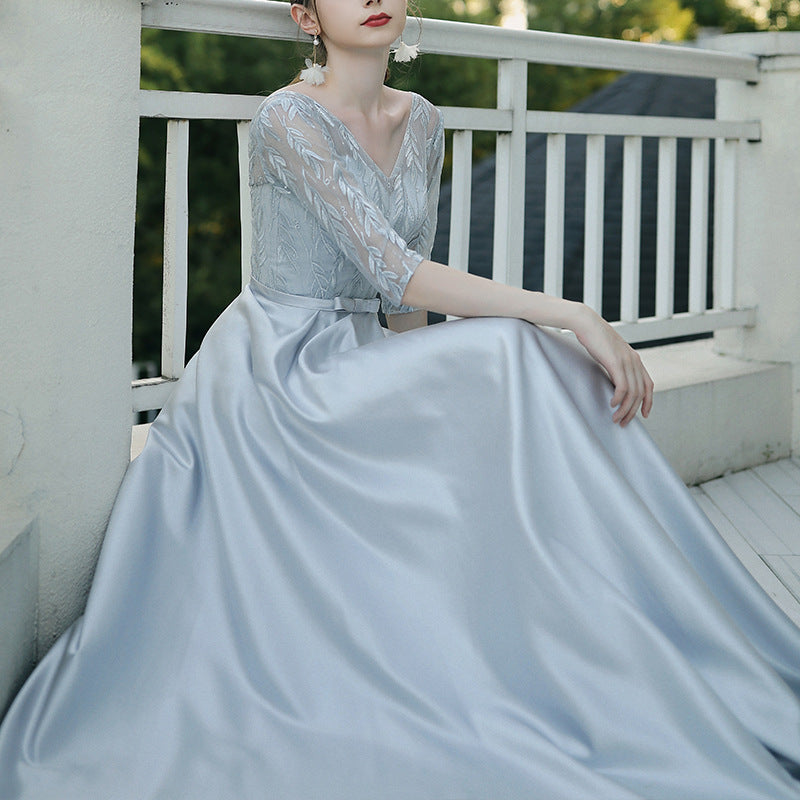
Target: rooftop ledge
[(712, 414)]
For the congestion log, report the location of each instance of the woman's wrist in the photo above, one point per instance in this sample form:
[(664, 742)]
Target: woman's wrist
[(583, 319), (579, 316), (557, 312)]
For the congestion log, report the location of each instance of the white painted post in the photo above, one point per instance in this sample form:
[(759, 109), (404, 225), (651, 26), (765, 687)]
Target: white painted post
[(460, 200), (509, 206), (554, 214), (176, 249), (725, 211), (766, 235), (594, 208), (698, 226), (665, 230), (631, 227), (246, 221)]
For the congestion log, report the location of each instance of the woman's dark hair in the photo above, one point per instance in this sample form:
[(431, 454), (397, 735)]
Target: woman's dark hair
[(322, 55)]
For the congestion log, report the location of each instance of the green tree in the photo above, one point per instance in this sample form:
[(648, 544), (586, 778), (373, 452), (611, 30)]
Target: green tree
[(639, 20), (733, 16), (556, 88)]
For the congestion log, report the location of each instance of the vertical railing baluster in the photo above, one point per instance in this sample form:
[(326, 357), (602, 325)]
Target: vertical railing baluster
[(593, 222), (460, 200), (509, 206), (176, 249), (698, 227), (724, 222), (243, 138), (631, 227), (554, 214), (665, 230)]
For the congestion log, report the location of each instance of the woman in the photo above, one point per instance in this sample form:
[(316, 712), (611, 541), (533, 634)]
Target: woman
[(354, 564)]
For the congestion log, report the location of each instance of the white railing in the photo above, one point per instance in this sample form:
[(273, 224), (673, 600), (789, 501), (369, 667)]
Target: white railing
[(511, 121)]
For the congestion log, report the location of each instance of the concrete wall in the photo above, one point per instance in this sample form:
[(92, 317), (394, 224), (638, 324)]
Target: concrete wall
[(69, 75), (713, 413), (768, 204)]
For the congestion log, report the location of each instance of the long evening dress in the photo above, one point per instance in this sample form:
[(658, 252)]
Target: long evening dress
[(355, 565)]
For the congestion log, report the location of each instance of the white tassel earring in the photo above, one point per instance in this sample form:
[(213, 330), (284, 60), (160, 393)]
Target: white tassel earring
[(314, 73), (408, 52)]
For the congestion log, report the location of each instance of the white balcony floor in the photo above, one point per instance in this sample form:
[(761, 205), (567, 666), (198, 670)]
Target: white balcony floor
[(757, 512)]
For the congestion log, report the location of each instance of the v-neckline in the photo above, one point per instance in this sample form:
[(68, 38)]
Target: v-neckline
[(367, 157)]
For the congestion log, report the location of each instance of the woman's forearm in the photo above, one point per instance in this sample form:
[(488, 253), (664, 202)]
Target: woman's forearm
[(445, 290)]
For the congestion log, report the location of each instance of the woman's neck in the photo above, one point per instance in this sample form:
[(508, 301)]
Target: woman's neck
[(355, 80)]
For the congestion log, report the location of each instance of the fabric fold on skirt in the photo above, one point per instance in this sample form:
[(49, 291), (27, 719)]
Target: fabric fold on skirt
[(354, 565)]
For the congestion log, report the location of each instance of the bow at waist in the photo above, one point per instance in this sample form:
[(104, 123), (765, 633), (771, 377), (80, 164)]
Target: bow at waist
[(368, 305)]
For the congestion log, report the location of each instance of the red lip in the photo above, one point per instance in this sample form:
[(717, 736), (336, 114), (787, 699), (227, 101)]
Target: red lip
[(376, 17)]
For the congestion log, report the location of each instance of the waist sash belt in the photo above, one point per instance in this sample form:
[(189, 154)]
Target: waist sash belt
[(365, 305)]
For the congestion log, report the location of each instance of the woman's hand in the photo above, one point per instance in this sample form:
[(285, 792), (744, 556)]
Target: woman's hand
[(633, 386)]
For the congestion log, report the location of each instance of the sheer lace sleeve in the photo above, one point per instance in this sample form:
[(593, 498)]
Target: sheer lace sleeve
[(435, 159), (290, 149)]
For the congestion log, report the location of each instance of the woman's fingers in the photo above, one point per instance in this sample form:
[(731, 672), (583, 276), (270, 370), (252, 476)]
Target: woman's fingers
[(647, 404), (633, 389), (620, 390), (644, 384), (638, 398), (631, 400)]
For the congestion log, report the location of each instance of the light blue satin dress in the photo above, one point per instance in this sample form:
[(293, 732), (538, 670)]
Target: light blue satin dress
[(354, 565)]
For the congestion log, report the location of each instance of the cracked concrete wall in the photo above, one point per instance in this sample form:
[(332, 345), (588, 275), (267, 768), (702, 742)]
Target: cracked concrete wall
[(11, 440), (69, 78)]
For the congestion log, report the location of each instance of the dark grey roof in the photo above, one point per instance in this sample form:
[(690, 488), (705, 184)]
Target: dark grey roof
[(634, 94)]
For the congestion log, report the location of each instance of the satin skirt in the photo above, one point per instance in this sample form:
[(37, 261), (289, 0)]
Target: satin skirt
[(354, 565)]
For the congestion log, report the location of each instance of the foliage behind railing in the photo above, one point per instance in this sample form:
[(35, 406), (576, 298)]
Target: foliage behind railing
[(511, 121)]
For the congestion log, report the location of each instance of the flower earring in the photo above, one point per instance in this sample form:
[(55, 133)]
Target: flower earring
[(408, 52), (314, 73)]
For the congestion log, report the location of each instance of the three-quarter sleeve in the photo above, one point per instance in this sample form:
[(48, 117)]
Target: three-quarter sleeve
[(434, 161), (289, 149)]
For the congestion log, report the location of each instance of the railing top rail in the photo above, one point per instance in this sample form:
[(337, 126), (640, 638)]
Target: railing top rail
[(207, 105), (270, 19)]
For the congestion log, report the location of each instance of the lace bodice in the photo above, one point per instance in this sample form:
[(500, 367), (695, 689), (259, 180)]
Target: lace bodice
[(327, 220)]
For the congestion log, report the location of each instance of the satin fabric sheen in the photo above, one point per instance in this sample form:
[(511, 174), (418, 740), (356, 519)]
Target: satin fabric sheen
[(508, 596), (356, 565)]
